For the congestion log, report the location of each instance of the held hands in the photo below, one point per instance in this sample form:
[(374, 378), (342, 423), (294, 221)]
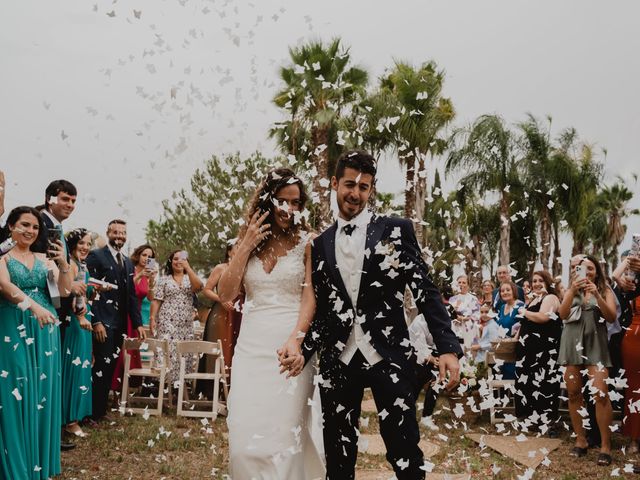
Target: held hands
[(256, 231), (290, 357)]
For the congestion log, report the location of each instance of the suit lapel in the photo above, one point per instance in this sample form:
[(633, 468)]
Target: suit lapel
[(330, 254), (375, 229)]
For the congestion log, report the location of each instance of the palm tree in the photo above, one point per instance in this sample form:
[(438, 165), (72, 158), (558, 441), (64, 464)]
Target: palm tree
[(482, 224), (583, 174), (413, 115), (441, 232), (486, 153), (613, 202), (540, 179), (320, 87)]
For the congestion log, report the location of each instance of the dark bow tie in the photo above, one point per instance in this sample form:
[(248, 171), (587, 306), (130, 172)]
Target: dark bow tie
[(348, 229)]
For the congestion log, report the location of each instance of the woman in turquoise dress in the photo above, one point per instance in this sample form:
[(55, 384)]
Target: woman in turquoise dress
[(76, 356), (507, 318), (30, 361)]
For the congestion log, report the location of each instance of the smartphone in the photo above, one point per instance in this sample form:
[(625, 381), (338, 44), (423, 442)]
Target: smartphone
[(183, 255), (53, 236), (581, 272), (152, 264)]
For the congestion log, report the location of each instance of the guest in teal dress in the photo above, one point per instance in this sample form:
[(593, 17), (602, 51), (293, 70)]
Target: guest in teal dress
[(76, 349), (30, 419), (507, 318)]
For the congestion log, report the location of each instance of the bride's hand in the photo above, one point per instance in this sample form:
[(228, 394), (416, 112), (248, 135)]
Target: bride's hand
[(293, 365), (256, 231), (290, 357)]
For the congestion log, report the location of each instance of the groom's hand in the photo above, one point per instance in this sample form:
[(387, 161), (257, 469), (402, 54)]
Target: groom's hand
[(292, 364), (449, 363)]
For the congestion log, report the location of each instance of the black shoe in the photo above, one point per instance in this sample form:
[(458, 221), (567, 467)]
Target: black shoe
[(65, 445), (578, 452), (604, 459)]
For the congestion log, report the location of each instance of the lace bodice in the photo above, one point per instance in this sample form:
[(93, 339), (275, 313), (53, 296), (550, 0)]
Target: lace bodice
[(32, 282), (283, 286)]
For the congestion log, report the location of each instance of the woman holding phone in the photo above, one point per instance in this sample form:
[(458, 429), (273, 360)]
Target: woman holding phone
[(171, 315), (583, 345), (30, 396), (144, 279)]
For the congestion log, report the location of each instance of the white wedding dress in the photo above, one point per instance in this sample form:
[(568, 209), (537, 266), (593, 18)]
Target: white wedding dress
[(270, 417)]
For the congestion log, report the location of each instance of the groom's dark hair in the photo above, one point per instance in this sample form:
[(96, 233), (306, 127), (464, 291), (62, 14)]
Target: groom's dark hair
[(358, 160)]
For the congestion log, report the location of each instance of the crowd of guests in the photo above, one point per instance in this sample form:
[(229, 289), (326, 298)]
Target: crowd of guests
[(66, 302), (586, 335)]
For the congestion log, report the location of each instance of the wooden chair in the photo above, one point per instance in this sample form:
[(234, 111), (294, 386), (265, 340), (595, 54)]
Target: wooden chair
[(499, 404), (156, 368), (218, 377)]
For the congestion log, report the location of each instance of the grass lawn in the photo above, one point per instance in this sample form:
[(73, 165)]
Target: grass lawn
[(177, 448)]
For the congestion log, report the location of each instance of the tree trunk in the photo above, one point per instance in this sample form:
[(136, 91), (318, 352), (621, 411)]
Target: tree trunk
[(320, 159), (474, 264), (545, 238), (505, 230), (410, 191), (420, 196), (556, 265)]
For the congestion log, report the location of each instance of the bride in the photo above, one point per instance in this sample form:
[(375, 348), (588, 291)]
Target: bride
[(269, 415)]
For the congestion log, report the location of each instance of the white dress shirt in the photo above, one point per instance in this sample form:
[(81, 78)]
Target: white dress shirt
[(115, 253), (350, 258), (54, 220)]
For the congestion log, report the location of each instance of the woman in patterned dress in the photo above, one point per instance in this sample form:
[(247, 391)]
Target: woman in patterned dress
[(171, 316)]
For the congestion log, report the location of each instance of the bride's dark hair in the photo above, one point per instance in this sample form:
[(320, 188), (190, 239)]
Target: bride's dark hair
[(264, 196)]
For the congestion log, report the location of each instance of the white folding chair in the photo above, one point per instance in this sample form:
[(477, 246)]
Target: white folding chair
[(218, 377), (156, 367)]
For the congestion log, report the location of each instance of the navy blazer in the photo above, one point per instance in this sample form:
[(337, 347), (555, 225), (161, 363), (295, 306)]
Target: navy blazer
[(392, 261), (106, 308)]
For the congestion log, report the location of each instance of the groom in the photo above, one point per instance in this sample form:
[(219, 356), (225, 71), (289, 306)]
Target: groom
[(361, 265)]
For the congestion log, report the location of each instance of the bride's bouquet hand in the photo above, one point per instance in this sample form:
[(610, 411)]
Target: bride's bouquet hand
[(256, 232)]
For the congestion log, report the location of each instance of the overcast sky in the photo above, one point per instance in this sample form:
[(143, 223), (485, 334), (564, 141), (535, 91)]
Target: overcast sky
[(86, 86)]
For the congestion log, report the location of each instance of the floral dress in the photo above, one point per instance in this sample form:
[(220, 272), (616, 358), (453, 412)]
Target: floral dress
[(175, 320)]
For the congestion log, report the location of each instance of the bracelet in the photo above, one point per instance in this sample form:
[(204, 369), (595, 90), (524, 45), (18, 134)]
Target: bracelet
[(67, 270)]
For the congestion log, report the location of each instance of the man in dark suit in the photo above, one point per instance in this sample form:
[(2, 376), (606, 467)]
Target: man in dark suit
[(110, 310), (59, 203), (361, 266)]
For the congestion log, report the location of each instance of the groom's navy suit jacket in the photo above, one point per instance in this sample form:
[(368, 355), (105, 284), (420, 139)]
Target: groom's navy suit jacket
[(392, 261)]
